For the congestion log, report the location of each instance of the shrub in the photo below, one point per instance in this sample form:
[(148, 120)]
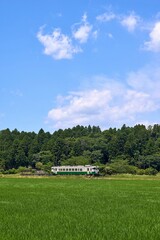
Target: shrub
[(39, 166), (21, 169), (121, 166), (11, 171), (150, 171), (108, 170), (140, 171)]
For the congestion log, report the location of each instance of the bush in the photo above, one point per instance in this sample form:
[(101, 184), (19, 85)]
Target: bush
[(11, 171), (108, 171), (140, 171), (150, 171), (39, 166), (21, 169), (1, 171), (120, 166)]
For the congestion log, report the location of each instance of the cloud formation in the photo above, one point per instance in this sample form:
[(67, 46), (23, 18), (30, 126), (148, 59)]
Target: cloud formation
[(81, 32), (111, 103), (57, 44), (154, 43), (62, 46), (106, 17), (130, 22)]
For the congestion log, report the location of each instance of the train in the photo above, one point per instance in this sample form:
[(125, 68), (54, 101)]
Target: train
[(75, 170)]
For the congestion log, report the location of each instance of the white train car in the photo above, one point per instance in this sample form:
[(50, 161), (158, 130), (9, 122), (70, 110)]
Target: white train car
[(75, 170)]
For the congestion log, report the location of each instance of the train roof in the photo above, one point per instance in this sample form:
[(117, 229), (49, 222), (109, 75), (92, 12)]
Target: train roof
[(77, 166)]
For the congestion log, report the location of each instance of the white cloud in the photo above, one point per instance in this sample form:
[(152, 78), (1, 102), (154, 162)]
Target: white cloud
[(84, 18), (138, 102), (110, 35), (146, 80), (59, 14), (95, 34), (78, 106), (146, 123), (82, 31), (111, 103), (57, 44), (154, 43), (106, 17), (130, 22)]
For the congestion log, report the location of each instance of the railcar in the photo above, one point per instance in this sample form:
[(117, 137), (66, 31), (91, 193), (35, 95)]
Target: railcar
[(75, 170)]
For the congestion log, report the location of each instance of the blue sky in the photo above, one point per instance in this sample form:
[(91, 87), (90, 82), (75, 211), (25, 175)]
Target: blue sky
[(64, 63)]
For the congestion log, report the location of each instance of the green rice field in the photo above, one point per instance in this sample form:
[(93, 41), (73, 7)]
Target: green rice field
[(78, 208)]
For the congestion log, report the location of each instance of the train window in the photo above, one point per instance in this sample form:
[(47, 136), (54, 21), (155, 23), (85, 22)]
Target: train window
[(69, 169), (75, 169), (80, 169), (87, 169), (66, 169)]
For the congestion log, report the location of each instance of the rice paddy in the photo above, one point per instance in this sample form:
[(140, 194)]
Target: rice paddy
[(76, 208)]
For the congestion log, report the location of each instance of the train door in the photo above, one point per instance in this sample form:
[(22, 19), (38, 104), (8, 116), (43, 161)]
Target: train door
[(88, 171)]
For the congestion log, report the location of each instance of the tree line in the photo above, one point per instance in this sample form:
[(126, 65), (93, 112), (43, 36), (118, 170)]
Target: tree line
[(126, 149)]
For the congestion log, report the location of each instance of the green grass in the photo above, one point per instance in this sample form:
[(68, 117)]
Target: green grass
[(74, 208)]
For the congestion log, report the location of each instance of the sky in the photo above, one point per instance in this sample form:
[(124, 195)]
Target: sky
[(83, 62)]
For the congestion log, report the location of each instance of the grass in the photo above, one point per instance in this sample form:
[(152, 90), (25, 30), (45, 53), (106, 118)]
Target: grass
[(74, 208)]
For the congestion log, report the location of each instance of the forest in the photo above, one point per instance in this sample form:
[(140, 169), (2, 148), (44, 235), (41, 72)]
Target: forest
[(134, 150)]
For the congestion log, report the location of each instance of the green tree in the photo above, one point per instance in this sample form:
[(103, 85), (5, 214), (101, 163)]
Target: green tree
[(75, 160), (39, 166)]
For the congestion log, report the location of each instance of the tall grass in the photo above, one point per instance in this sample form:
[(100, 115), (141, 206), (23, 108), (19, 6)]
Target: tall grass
[(79, 209)]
